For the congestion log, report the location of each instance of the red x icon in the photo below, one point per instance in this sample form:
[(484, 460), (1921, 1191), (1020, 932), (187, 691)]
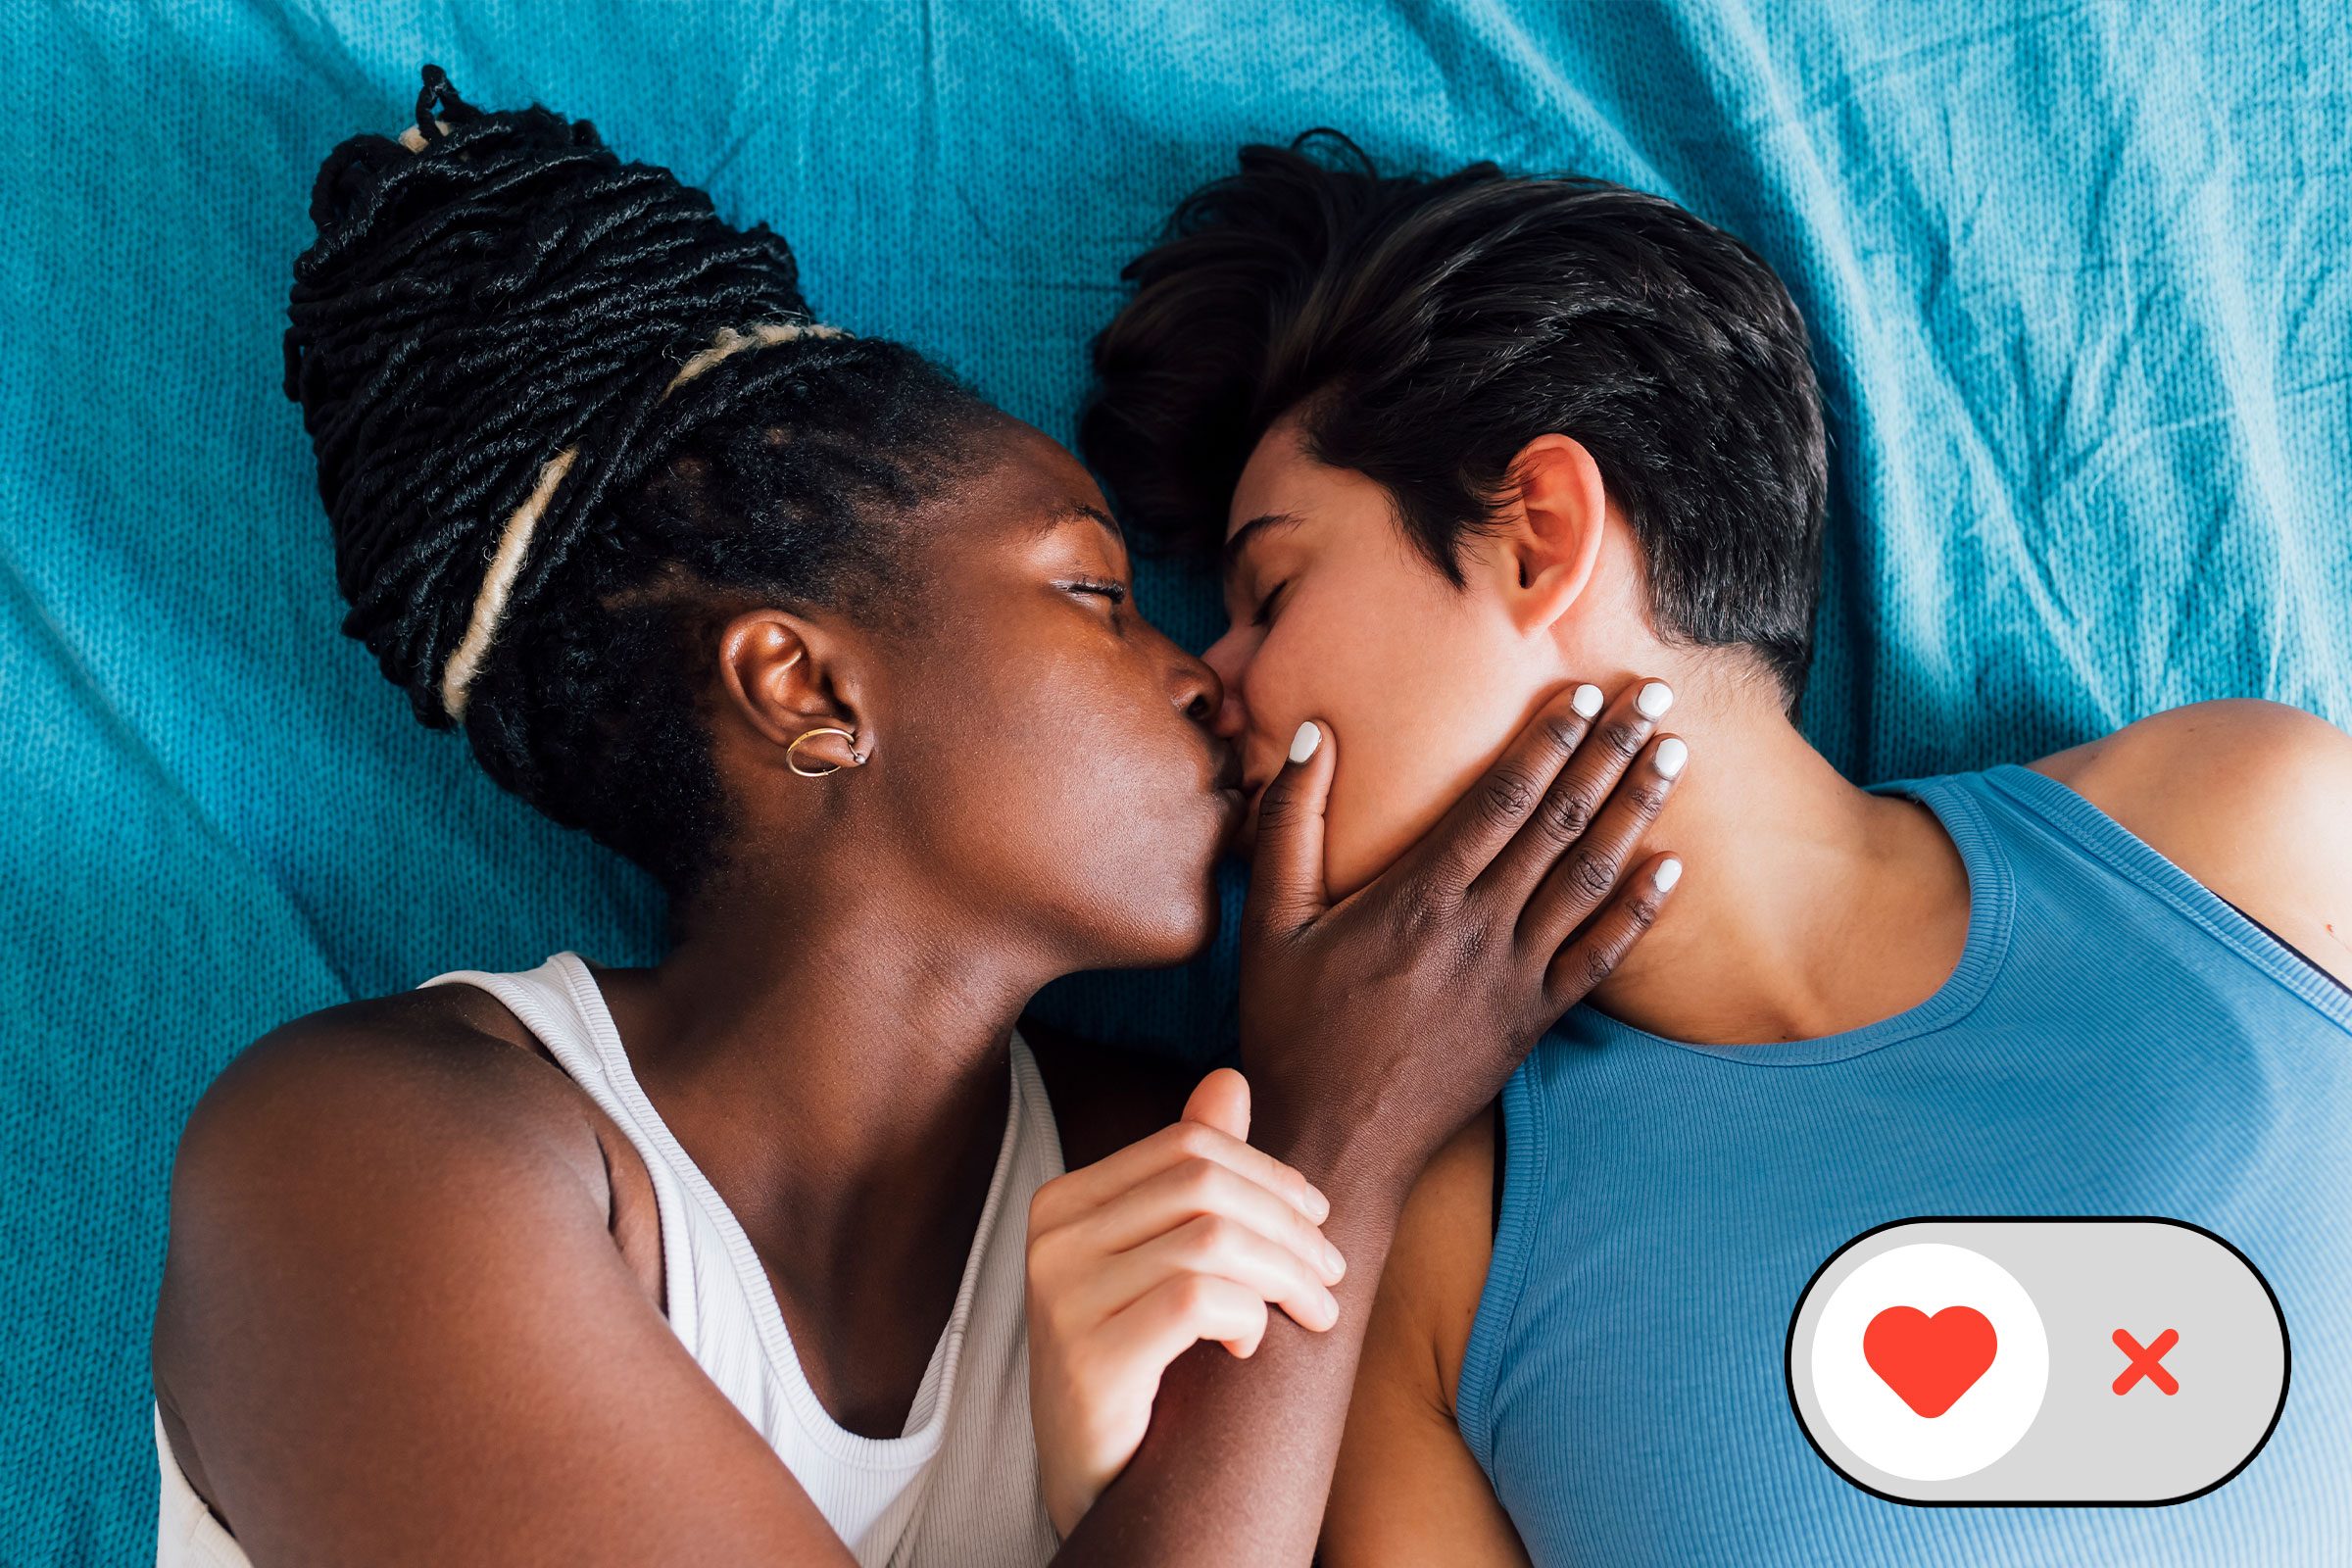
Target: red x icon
[(2144, 1359)]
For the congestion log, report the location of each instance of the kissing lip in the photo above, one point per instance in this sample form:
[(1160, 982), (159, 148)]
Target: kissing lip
[(1225, 786), (1241, 836), (1227, 771)]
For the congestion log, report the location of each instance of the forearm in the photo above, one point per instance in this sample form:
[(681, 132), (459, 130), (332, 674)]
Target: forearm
[(1238, 1461)]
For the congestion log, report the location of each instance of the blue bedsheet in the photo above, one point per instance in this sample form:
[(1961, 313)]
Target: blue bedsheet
[(2075, 272)]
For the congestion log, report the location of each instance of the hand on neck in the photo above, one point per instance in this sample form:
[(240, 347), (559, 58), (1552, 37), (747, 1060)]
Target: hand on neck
[(1807, 906)]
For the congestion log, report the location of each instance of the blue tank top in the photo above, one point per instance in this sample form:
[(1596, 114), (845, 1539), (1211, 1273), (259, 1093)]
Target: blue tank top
[(2116, 1040)]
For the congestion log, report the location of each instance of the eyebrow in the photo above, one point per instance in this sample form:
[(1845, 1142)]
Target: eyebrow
[(1231, 558), (1079, 510)]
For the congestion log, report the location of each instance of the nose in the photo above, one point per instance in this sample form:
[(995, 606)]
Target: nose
[(1200, 693), (1226, 659)]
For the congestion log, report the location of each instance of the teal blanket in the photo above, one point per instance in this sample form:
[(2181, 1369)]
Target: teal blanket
[(2075, 272)]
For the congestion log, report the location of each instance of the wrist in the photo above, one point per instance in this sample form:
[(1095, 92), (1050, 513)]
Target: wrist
[(1362, 1161)]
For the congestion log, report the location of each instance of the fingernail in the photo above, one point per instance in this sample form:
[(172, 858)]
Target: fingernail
[(1304, 744), (1586, 702), (1670, 871), (1656, 697), (1318, 1207), (1671, 753), (1331, 1316), (1333, 1264)]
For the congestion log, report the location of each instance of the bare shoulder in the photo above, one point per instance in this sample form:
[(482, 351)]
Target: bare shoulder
[(406, 1082), (372, 1127), (402, 1306), (2253, 799), (1436, 1268)]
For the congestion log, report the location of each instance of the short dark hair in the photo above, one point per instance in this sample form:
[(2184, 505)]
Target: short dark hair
[(511, 289), (1427, 328)]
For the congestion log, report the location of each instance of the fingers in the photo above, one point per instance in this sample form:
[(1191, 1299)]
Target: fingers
[(1594, 956), (1190, 1198), (1286, 872), (1170, 1318), (1212, 1247), (1221, 1101), (1197, 1188), (1572, 802), (1067, 1197), (1586, 869), (1479, 825)]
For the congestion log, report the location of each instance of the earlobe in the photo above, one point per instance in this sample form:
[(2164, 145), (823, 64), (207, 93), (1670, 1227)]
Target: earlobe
[(774, 676), (1558, 511)]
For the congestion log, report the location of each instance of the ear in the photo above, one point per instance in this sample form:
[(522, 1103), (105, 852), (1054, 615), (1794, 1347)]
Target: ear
[(1549, 532), (781, 677)]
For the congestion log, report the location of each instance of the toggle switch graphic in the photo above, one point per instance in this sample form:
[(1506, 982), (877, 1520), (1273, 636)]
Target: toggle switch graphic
[(1990, 1361), (1930, 1361)]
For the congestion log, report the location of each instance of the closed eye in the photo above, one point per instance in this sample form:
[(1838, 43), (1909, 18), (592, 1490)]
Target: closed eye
[(1265, 606), (1116, 593)]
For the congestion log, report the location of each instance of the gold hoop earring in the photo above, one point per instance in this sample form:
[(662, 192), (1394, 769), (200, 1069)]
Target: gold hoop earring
[(793, 763)]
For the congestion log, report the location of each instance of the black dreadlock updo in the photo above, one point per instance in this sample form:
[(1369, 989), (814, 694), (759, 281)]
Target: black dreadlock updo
[(513, 290)]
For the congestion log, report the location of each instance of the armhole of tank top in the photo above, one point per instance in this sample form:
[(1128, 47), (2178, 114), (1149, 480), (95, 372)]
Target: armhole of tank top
[(529, 1011), (1519, 1158), (2291, 951), (483, 981), (2100, 837)]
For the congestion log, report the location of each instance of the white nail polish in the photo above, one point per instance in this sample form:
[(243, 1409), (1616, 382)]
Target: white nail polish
[(1669, 873), (1586, 702), (1656, 697), (1672, 754), (1304, 744)]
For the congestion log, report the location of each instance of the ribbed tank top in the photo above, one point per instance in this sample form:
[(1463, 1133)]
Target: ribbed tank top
[(957, 1486), (2116, 1040)]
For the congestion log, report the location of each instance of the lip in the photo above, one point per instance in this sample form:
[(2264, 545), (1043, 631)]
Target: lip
[(1225, 786), (1239, 806), (1233, 817), (1226, 773)]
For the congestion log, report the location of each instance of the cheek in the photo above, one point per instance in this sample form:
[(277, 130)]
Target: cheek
[(1422, 702), (1069, 792)]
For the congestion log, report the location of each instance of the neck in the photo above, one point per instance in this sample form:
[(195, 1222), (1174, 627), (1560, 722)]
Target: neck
[(839, 1050), (1807, 906)]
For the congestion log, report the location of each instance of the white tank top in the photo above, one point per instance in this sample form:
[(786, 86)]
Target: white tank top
[(957, 1486)]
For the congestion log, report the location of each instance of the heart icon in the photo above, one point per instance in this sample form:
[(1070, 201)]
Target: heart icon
[(1929, 1361)]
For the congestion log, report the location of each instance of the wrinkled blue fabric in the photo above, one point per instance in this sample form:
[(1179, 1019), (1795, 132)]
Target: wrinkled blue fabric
[(2073, 274)]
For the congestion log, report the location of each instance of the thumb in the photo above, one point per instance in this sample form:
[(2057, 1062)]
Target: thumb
[(1221, 1101), (1286, 876)]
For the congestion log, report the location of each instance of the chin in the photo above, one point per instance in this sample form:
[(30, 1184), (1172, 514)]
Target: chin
[(1152, 922), (1188, 938), (1348, 863), (1360, 843)]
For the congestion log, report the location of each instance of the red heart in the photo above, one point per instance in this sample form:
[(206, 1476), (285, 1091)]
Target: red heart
[(1929, 1361)]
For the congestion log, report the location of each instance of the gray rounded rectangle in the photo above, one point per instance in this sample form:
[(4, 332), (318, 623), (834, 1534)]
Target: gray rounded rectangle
[(2111, 1361)]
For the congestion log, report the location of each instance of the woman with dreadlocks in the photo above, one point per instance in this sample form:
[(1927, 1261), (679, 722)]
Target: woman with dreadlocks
[(556, 1265)]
